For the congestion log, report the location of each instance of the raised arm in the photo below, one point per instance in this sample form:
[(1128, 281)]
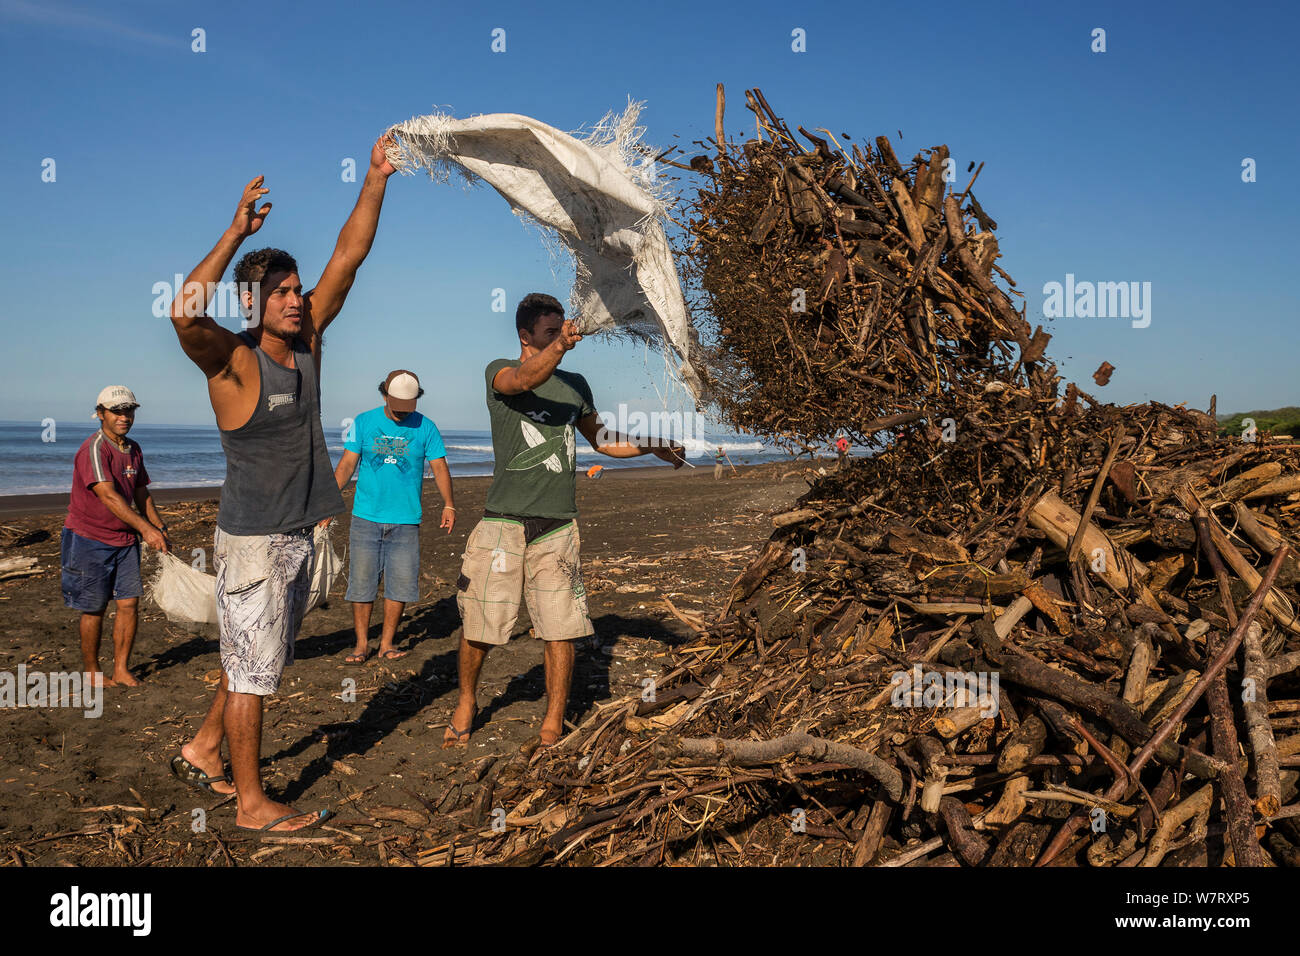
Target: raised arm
[(537, 368), (207, 344), (355, 239)]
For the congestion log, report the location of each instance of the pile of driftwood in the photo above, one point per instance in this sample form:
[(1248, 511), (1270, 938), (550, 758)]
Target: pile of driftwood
[(1033, 629), (882, 691)]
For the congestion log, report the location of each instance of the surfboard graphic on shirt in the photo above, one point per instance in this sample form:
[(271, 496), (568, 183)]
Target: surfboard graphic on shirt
[(543, 450)]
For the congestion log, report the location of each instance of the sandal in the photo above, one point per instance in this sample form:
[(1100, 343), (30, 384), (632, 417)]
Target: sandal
[(356, 660), (455, 737), (321, 817), (197, 778)]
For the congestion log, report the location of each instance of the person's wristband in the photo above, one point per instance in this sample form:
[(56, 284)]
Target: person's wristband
[(448, 508)]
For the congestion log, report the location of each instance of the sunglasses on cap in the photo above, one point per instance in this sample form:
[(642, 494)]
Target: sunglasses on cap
[(122, 409)]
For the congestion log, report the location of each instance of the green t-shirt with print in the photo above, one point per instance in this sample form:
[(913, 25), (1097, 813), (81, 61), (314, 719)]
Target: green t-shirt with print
[(534, 441)]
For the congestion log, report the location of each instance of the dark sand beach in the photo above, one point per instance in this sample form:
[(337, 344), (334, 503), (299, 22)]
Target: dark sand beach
[(76, 790)]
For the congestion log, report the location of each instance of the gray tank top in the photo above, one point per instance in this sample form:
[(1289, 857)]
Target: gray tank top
[(278, 473)]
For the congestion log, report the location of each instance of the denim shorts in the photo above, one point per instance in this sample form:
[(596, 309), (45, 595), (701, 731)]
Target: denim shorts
[(93, 572), (391, 550)]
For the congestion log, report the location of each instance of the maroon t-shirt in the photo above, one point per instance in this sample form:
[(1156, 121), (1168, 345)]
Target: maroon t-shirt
[(98, 459)]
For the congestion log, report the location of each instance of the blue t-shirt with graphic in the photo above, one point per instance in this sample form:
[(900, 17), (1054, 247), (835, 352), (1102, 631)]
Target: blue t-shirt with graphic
[(390, 474)]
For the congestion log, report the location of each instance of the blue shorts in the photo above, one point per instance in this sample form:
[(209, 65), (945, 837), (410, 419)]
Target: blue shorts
[(392, 550), (93, 572)]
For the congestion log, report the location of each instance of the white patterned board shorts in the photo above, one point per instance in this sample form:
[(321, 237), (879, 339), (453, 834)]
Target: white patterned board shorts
[(498, 565), (262, 586)]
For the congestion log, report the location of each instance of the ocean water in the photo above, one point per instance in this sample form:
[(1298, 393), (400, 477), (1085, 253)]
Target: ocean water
[(186, 456)]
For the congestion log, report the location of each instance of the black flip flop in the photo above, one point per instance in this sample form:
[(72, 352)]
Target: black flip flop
[(321, 817), (462, 736), (185, 771)]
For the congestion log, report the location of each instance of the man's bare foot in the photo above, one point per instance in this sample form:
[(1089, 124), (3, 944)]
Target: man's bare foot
[(551, 732), (358, 655), (211, 765), (391, 653), (462, 722), (98, 678), (270, 811), (125, 678)]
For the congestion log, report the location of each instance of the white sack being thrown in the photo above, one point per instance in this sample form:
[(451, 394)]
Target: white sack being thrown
[(600, 197)]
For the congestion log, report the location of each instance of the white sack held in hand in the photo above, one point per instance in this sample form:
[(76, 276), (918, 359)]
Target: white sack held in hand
[(325, 567), (599, 197), (182, 592), (185, 593)]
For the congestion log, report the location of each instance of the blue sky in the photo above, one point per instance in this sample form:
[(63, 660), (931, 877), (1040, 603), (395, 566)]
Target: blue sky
[(1115, 166)]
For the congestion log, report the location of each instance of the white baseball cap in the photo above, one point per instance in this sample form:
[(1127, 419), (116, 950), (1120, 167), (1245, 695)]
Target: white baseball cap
[(115, 396), (402, 388)]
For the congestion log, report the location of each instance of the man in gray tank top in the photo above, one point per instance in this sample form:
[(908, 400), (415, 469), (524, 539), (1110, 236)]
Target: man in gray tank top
[(264, 384)]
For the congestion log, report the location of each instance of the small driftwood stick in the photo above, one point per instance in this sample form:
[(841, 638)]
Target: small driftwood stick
[(1196, 804), (907, 856), (1202, 522), (1073, 549)]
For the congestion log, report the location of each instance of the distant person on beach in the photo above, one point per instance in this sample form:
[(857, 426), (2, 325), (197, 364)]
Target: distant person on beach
[(391, 443), (717, 463), (841, 452), (100, 545), (528, 538), (264, 384)]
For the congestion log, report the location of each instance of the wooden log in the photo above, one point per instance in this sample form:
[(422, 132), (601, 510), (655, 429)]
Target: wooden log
[(1021, 845), (1024, 744), (1122, 572), (720, 107), (914, 853), (1011, 804), (1237, 808), (929, 191), (805, 745), (1266, 539), (955, 722), (910, 218), (1278, 486), (965, 843), (1268, 787), (869, 844), (1248, 481)]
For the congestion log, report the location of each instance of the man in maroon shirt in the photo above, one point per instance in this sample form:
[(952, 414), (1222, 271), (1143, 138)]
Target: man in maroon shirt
[(100, 543)]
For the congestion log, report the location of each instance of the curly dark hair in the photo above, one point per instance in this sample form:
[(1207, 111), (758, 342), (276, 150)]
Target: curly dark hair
[(255, 266), (532, 307)]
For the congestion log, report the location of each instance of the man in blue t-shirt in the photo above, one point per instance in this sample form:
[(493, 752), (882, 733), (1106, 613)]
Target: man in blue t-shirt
[(390, 444)]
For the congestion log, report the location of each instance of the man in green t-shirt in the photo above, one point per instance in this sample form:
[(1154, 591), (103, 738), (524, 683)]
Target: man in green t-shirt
[(528, 538)]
